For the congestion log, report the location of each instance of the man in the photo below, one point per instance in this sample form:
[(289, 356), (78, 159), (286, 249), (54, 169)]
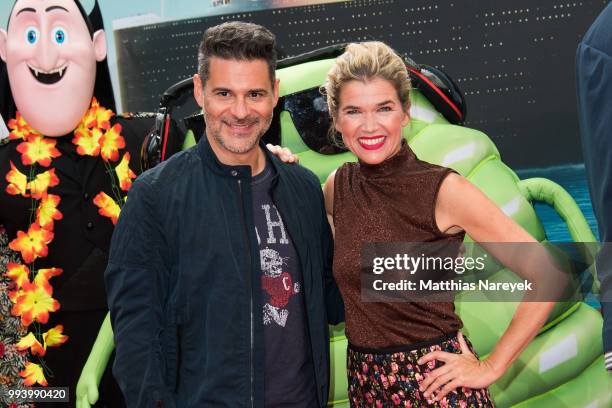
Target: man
[(594, 84), (219, 280)]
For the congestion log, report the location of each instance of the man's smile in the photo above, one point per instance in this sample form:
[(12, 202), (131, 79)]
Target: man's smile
[(243, 127), (50, 77)]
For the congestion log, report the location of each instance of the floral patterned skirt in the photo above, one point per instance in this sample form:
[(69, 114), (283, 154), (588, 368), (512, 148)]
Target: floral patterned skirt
[(391, 378)]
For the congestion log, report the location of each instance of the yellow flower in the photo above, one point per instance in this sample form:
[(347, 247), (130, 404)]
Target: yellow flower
[(47, 211), (32, 244), (38, 187), (54, 337), (33, 374), (89, 119), (34, 304), (20, 274), (31, 342), (124, 173), (15, 294), (18, 182), (42, 278), (111, 142), (103, 118), (20, 128), (51, 338), (97, 116), (107, 206), (87, 141), (38, 149)]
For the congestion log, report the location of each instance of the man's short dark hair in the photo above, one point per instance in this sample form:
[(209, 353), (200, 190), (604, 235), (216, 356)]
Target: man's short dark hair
[(237, 40)]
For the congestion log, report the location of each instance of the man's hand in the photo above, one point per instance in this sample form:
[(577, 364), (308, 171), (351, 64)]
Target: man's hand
[(459, 370), (284, 154)]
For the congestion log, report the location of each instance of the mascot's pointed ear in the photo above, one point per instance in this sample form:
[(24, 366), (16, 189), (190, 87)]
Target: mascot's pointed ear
[(99, 41), (3, 45)]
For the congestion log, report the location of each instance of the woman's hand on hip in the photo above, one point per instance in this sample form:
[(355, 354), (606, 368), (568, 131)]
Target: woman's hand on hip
[(459, 370)]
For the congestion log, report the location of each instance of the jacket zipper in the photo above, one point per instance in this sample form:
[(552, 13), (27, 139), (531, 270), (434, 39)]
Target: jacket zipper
[(250, 283)]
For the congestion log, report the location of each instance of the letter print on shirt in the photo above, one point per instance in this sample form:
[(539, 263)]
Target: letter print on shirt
[(277, 281), (271, 224)]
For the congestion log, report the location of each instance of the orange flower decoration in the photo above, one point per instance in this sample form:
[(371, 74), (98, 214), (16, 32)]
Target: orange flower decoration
[(20, 128), (47, 211), (32, 244), (124, 173), (111, 142), (34, 304), (51, 338), (43, 276), (97, 116), (20, 274), (107, 206), (31, 342), (18, 182), (38, 149), (15, 294), (54, 337), (89, 120), (103, 117), (33, 374), (38, 187), (87, 141)]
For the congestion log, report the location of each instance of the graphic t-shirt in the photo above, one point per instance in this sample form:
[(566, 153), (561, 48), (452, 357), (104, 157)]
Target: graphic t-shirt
[(289, 374)]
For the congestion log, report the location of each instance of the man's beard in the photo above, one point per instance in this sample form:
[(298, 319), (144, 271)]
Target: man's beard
[(250, 143)]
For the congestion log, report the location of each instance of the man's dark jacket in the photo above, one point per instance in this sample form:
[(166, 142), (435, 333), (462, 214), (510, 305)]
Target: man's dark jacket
[(184, 282)]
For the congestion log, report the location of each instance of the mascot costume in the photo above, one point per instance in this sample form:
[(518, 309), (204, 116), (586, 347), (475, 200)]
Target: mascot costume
[(66, 165)]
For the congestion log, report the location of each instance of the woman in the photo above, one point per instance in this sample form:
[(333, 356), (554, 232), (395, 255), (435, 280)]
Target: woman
[(406, 354)]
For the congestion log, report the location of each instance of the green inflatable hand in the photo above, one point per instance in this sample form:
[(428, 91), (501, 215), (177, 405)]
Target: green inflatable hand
[(87, 387)]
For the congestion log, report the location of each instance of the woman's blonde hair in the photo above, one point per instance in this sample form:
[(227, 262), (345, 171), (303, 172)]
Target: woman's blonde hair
[(362, 62)]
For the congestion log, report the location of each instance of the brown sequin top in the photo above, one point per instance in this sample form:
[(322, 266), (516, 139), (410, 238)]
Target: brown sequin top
[(390, 202)]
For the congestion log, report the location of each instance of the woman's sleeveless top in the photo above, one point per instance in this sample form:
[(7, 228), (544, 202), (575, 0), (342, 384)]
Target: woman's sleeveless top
[(393, 201)]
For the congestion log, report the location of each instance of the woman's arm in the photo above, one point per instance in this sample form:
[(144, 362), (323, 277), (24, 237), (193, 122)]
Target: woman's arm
[(461, 205), (328, 192)]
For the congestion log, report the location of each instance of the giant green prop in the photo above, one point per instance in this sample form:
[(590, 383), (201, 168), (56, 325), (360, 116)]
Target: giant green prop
[(562, 367)]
